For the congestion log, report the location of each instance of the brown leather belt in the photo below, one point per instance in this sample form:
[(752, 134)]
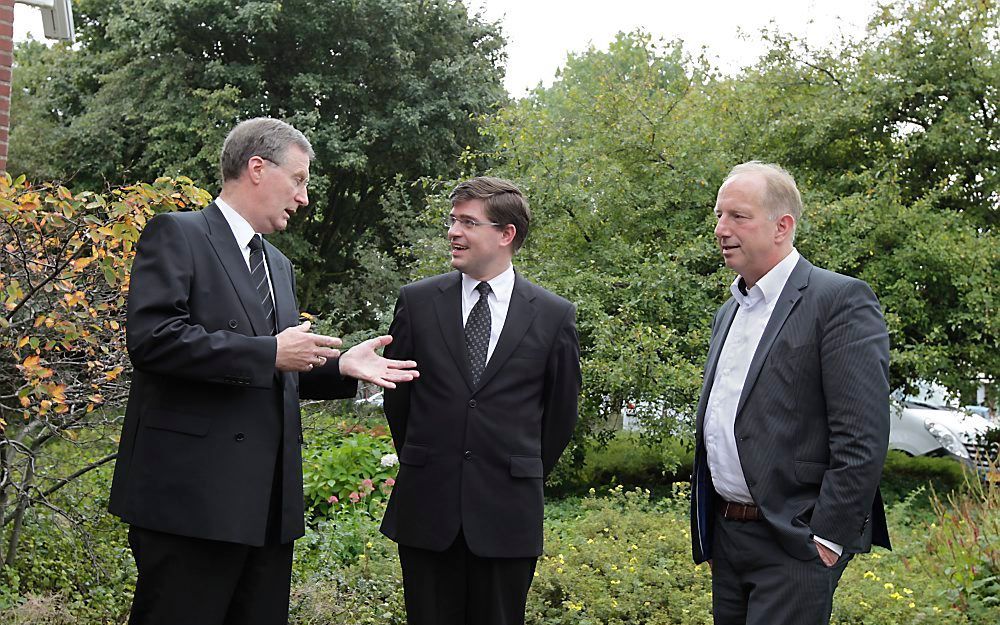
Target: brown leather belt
[(738, 511)]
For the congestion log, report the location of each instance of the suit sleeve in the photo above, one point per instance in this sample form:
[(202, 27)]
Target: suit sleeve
[(562, 392), (161, 336), (854, 353), (396, 402)]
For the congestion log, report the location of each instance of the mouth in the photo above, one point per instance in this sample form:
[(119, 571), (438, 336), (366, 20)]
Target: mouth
[(289, 212), (457, 247), (728, 248)]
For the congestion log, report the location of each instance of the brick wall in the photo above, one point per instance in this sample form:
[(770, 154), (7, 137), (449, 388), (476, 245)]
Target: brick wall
[(6, 64)]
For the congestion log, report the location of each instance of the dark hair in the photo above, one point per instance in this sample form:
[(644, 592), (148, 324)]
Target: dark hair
[(261, 136), (505, 204)]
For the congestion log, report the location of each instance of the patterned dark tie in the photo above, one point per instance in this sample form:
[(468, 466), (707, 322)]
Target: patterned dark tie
[(477, 332), (258, 276)]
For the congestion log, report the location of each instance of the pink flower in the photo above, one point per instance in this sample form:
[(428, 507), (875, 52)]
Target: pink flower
[(332, 499), (354, 497), (390, 481)]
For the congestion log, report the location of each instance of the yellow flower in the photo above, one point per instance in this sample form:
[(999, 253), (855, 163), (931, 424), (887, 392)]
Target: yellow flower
[(559, 569), (869, 575), (615, 582), (913, 605), (614, 603), (908, 591), (590, 541), (888, 586)]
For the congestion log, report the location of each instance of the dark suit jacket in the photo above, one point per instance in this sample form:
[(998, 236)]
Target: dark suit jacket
[(475, 457), (812, 423), (208, 412)]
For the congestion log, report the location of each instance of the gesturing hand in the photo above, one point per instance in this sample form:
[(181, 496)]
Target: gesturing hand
[(364, 363), (301, 350)]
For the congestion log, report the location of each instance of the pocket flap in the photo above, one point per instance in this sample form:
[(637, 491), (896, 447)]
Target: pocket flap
[(182, 422), (526, 466), (810, 472), (415, 455)]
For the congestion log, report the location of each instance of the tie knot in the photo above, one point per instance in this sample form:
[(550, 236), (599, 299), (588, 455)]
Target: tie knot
[(255, 243), (483, 288)]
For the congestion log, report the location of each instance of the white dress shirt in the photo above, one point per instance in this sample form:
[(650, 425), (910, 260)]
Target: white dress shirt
[(752, 316), (243, 232), (501, 288)]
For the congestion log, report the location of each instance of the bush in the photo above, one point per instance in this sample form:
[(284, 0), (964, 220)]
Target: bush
[(964, 548), (903, 474)]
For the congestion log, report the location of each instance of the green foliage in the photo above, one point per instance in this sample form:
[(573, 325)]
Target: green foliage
[(964, 548), (622, 156), (358, 469), (903, 475), (388, 91), (74, 564)]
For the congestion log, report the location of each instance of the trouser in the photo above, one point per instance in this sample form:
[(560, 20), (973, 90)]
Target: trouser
[(755, 582), (457, 587)]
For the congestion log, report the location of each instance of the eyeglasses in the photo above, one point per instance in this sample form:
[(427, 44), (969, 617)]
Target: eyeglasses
[(468, 224), (301, 182)]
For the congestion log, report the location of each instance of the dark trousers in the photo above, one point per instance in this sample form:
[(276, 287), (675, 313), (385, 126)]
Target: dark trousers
[(755, 582), (457, 587), (192, 581)]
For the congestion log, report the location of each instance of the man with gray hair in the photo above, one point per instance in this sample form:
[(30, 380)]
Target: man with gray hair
[(793, 422), (209, 469)]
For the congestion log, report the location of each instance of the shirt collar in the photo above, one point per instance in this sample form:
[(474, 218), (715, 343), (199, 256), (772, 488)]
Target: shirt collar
[(770, 286), (241, 228), (502, 285)]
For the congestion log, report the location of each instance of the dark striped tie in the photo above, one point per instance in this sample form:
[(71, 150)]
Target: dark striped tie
[(258, 275), (477, 332)]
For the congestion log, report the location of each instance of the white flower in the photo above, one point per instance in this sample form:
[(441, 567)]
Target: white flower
[(389, 460)]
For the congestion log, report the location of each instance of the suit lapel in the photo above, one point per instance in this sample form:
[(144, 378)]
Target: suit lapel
[(520, 315), (726, 316), (790, 295), (448, 306), (220, 235)]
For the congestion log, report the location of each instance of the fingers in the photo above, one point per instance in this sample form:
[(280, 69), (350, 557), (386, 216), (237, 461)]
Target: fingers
[(401, 364), (326, 341)]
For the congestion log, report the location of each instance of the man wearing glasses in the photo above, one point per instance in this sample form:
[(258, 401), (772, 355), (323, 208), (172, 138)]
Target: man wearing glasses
[(494, 408), (209, 470)]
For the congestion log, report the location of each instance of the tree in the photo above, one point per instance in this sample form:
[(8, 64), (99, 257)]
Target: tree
[(388, 91), (64, 276), (623, 154)]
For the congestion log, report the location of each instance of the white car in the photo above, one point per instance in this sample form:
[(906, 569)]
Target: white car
[(927, 425)]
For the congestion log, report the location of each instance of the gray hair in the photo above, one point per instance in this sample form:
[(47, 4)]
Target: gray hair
[(262, 136), (781, 196)]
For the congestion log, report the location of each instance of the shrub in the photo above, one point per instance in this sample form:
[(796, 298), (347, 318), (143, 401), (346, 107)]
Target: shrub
[(904, 474), (348, 467), (964, 548)]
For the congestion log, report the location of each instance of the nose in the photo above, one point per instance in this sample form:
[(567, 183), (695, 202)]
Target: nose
[(302, 197), (721, 228), (453, 230)]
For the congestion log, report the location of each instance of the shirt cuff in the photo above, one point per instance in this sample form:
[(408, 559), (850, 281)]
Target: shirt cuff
[(837, 549)]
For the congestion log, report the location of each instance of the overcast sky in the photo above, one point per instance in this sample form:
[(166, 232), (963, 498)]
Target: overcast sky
[(540, 33)]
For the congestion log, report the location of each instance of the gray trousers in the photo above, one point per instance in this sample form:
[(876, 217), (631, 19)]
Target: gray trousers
[(755, 582)]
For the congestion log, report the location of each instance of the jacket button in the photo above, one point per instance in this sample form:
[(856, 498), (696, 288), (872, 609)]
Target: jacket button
[(240, 437), (233, 323), (472, 403), (468, 455)]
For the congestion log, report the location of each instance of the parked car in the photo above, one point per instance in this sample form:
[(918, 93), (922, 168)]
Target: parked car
[(927, 424)]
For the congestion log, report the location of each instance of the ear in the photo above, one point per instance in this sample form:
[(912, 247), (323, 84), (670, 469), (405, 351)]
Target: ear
[(784, 228), (507, 234), (255, 168)]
